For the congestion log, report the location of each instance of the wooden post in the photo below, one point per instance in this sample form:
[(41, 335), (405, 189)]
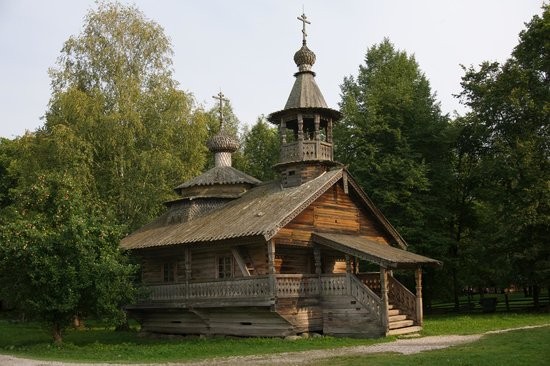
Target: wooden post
[(348, 264), (317, 122), (282, 131), (300, 127), (419, 311), (317, 259), (348, 273), (300, 138), (384, 294), (187, 270), (329, 131), (271, 267)]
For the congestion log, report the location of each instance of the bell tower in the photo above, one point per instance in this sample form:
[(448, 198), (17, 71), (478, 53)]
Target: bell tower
[(305, 124)]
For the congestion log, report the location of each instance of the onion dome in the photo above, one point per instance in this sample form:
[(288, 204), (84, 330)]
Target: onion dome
[(304, 58), (222, 142)]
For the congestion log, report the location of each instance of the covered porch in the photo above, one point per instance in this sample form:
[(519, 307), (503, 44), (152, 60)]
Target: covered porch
[(375, 303), (401, 309)]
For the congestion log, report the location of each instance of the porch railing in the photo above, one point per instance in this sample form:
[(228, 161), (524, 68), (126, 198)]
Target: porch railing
[(371, 280), (297, 285), (289, 286), (252, 287), (329, 285), (286, 285), (401, 297), (366, 296)]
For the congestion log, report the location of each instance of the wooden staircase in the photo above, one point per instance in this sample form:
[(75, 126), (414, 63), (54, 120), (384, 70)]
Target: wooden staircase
[(344, 316), (399, 323)]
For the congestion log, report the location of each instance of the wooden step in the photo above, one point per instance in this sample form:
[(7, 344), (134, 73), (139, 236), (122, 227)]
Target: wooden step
[(400, 324), (405, 330), (396, 318), (393, 312)]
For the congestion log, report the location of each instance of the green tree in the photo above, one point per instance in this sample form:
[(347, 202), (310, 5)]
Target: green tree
[(113, 87), (464, 212), (510, 105), (7, 182), (59, 251), (395, 141), (392, 131), (260, 150), (118, 136)]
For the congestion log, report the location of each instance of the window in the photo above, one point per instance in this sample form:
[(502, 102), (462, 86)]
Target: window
[(168, 272), (225, 267)]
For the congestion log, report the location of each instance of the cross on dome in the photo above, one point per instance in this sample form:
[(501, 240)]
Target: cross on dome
[(221, 98), (304, 21)]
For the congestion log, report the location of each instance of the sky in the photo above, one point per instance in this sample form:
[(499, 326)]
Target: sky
[(245, 47)]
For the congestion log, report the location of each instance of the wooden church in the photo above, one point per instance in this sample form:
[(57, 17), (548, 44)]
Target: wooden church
[(236, 256)]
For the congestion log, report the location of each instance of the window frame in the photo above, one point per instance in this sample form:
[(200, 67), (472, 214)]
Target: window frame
[(222, 272), (169, 272)]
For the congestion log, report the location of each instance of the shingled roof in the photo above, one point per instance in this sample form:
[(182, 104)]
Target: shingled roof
[(305, 93), (260, 211), (364, 248), (220, 175)]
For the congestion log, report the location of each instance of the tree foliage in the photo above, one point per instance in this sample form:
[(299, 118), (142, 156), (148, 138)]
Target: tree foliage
[(510, 107), (59, 255), (392, 135), (396, 142), (260, 149), (118, 136), (113, 87)]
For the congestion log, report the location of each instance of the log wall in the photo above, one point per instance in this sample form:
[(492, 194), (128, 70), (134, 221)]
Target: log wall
[(204, 262), (335, 212), (295, 260)]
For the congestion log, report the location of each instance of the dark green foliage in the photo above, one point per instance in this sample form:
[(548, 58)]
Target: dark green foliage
[(6, 180), (59, 255), (118, 137), (260, 150), (392, 135), (396, 142), (510, 106)]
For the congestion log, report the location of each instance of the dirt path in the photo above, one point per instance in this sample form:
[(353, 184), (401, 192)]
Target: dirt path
[(403, 346)]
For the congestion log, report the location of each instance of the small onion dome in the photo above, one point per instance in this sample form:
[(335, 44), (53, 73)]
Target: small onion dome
[(304, 58), (221, 142)]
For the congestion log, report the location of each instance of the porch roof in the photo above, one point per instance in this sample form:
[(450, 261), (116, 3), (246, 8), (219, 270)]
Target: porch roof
[(371, 251)]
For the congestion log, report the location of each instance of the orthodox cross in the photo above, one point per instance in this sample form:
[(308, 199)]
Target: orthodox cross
[(304, 20), (221, 98)]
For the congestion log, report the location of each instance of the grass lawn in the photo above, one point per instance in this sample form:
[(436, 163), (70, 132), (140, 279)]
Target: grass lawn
[(520, 347), (104, 345), (479, 323)]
